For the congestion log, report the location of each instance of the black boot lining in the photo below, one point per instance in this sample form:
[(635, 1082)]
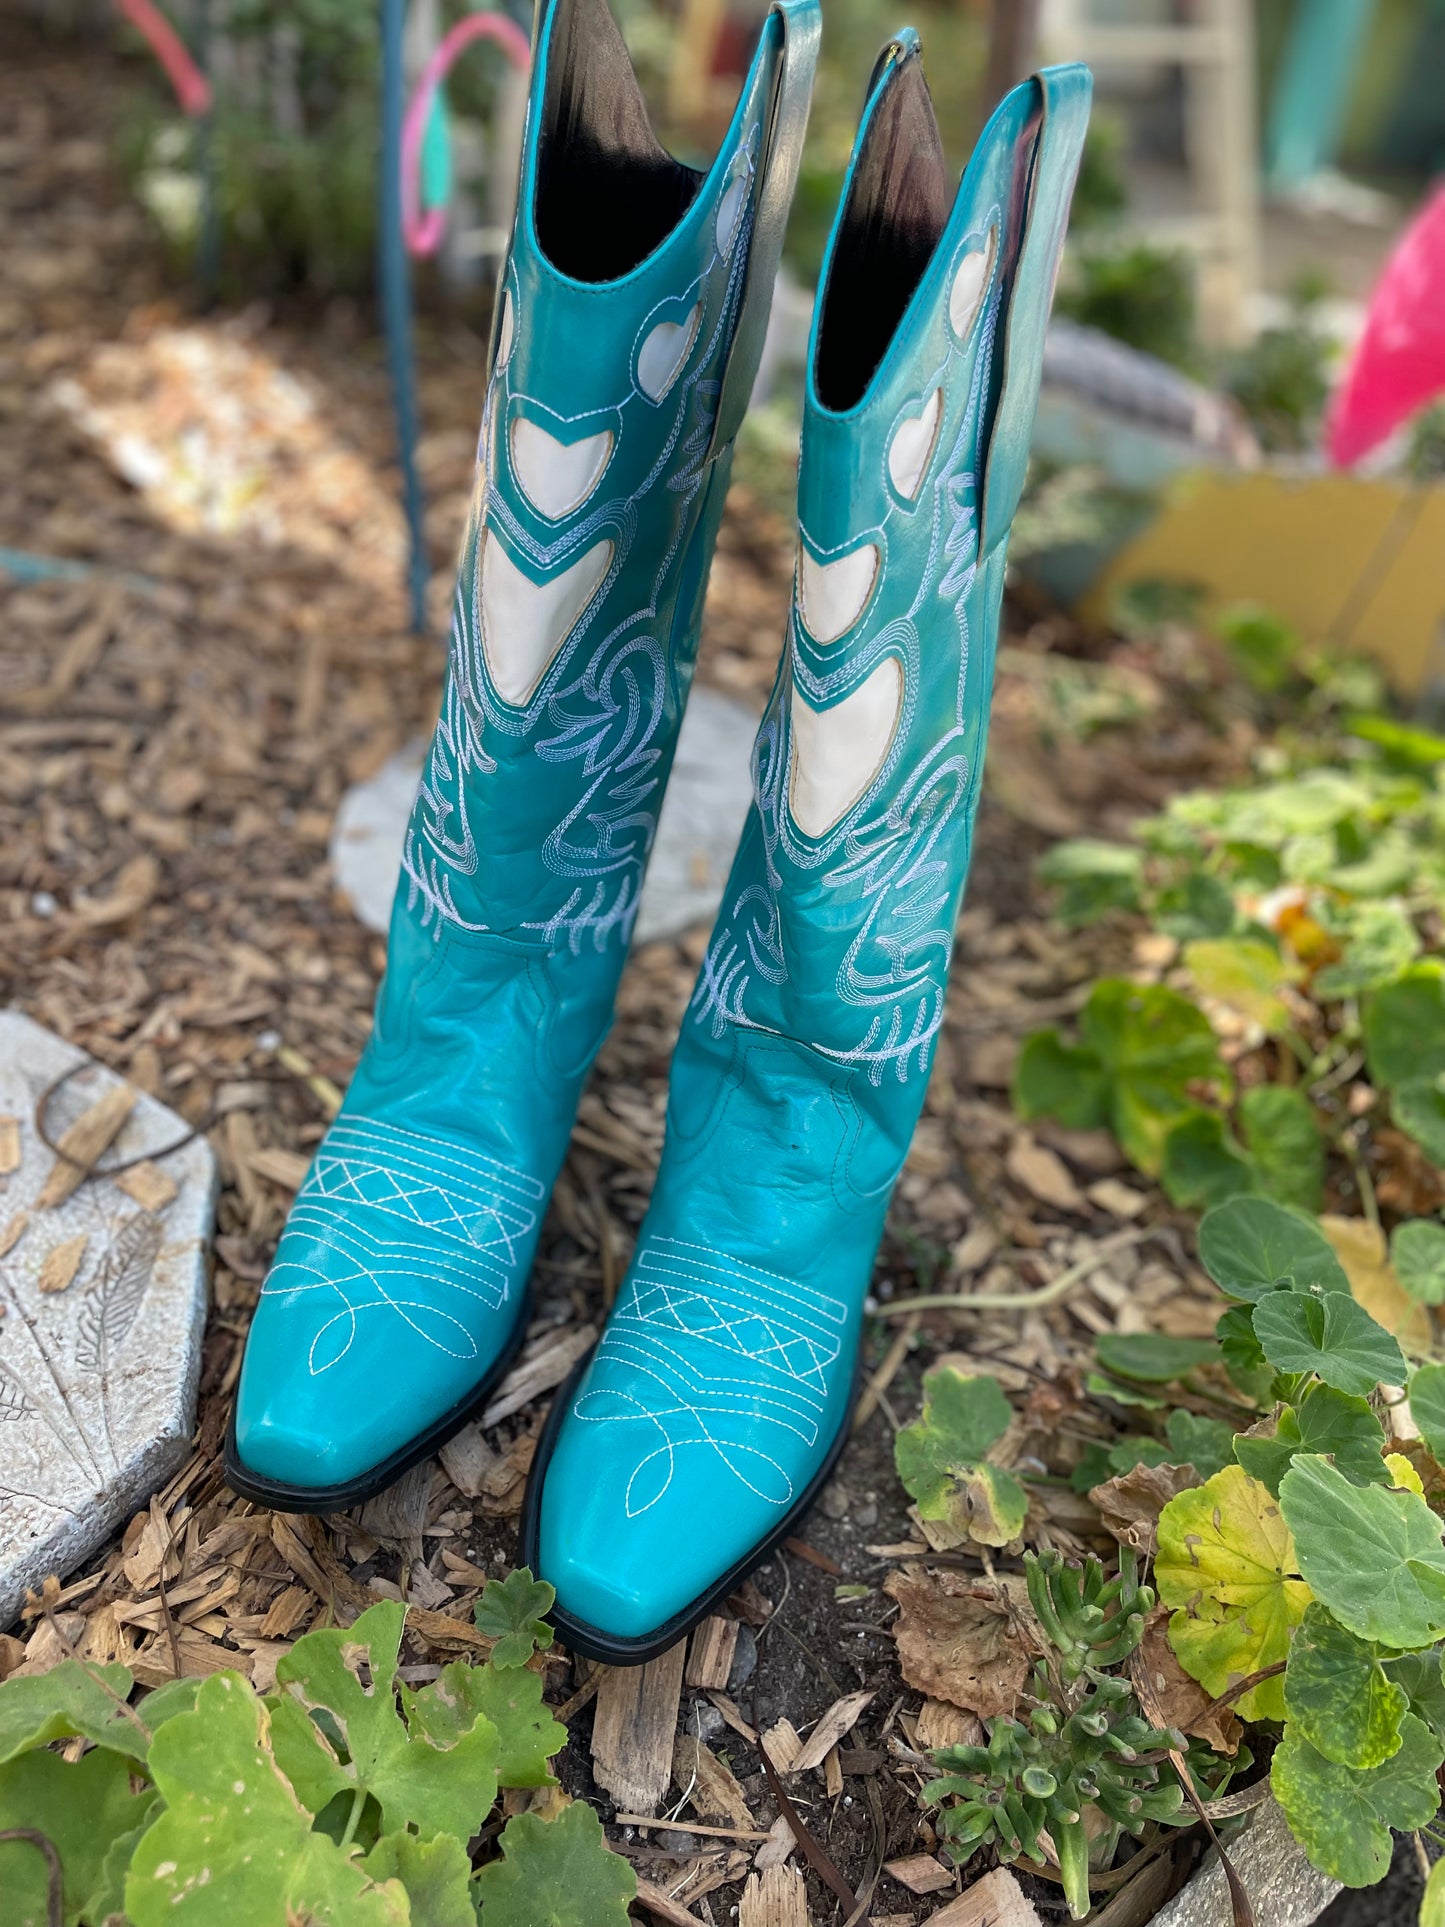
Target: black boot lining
[(608, 192)]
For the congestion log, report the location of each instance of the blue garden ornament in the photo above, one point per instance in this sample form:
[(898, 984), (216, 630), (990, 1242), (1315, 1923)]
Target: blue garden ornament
[(718, 1399), (630, 321)]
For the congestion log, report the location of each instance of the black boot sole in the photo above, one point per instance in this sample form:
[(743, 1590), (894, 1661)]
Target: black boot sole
[(279, 1496), (578, 1635)]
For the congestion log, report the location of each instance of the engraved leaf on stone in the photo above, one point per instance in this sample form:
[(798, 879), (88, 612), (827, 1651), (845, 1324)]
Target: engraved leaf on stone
[(115, 1293), (14, 1399)]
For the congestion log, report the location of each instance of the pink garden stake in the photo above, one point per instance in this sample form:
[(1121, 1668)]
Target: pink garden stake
[(424, 230), (1399, 361)]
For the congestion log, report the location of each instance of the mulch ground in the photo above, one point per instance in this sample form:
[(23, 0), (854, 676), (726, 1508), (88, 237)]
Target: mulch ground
[(177, 726)]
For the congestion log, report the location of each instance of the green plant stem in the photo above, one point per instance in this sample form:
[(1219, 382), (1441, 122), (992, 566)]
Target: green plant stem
[(353, 1819)]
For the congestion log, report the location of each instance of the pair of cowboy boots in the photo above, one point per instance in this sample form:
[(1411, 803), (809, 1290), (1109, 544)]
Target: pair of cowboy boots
[(630, 323)]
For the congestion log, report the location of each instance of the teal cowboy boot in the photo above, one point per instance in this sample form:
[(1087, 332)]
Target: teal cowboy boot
[(716, 1404), (631, 317)]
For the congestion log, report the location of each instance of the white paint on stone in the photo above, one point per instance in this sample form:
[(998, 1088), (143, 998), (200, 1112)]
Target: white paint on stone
[(97, 1382), (702, 818)]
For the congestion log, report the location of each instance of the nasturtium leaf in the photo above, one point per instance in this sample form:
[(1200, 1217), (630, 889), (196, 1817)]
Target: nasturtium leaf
[(510, 1697), (1201, 1163), (556, 1873), (1337, 1694), (1417, 1251), (1371, 1554), (1418, 1107), (1404, 1025), (1246, 974), (1342, 1817), (445, 1785), (1093, 876), (1227, 1565), (941, 1458), (1249, 1246), (1432, 1901), (107, 1895), (1329, 1334), (1205, 1443), (1196, 906), (1152, 1357), (1427, 1408), (1324, 1421), (513, 1611), (82, 1810), (234, 1844), (1066, 1081), (1154, 1044), (1284, 1144), (436, 1875), (1422, 1680), (1383, 940), (1239, 1348), (71, 1699)]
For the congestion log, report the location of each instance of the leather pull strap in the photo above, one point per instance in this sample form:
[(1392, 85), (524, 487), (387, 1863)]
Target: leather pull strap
[(1066, 93), (782, 153)]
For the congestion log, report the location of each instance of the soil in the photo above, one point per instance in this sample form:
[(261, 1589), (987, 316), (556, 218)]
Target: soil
[(178, 727)]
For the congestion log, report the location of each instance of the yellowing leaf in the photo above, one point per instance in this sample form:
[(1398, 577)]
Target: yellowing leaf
[(1227, 1565), (1362, 1252), (1245, 974), (1403, 1474)]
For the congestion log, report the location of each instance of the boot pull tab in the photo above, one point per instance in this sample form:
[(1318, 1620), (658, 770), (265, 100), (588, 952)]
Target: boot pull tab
[(779, 159), (1052, 165)]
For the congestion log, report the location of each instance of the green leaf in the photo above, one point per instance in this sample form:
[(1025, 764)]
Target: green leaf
[(511, 1698), (1427, 1408), (1342, 1818), (1417, 1252), (82, 1810), (556, 1873), (438, 1785), (1284, 1144), (1093, 878), (1199, 906), (1245, 974), (1054, 1079), (71, 1699), (1383, 941), (1405, 1026), (107, 1896), (1153, 1358), (1418, 1107), (1432, 1901), (513, 1611), (1328, 1334), (941, 1458), (1202, 1164), (1249, 1246), (1420, 1678), (1226, 1563), (1153, 1044), (436, 1874), (234, 1844), (1325, 1422), (1371, 1554), (1239, 1347), (1205, 1443), (1337, 1694)]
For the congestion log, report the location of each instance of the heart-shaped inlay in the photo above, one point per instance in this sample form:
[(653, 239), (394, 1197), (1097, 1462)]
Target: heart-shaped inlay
[(664, 353), (912, 446), (557, 477), (730, 209), (832, 595), (506, 331), (525, 623), (970, 284), (838, 752)]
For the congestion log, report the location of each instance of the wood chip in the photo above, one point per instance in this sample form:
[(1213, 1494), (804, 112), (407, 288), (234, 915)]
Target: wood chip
[(467, 1459), (920, 1873), (9, 1145), (286, 1168), (133, 887), (779, 1846), (662, 1906), (841, 1717), (1043, 1174), (710, 1656), (426, 1589), (632, 1733), (60, 1264), (774, 1898), (538, 1373), (149, 1185), (995, 1901), (783, 1745), (286, 1612), (940, 1724), (833, 1774), (13, 1232), (83, 1142), (709, 1784), (1119, 1200)]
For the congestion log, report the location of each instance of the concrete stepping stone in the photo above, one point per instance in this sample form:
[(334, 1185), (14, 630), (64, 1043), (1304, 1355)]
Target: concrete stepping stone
[(102, 1303)]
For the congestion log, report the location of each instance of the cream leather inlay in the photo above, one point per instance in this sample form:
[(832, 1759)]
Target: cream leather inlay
[(912, 446), (524, 623), (832, 595), (557, 477), (665, 352), (970, 284), (838, 752)]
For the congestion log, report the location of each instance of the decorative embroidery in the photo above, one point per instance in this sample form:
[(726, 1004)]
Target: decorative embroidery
[(715, 1355)]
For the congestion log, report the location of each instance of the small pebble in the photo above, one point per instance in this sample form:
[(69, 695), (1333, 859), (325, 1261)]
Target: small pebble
[(43, 904), (745, 1661)]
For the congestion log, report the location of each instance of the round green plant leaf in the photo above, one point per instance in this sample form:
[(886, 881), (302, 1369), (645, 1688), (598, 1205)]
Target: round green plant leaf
[(1205, 1443), (556, 1873), (436, 1875), (1405, 1026), (81, 1809), (511, 1698), (1417, 1252), (1202, 1164), (1342, 1817), (1246, 974), (1419, 1676), (1432, 1901), (1284, 1144), (1427, 1408), (71, 1699), (1327, 1422), (1152, 1357), (1329, 1334), (1227, 1565), (514, 1612), (1055, 1079), (1418, 1107), (941, 1459), (1251, 1246), (1371, 1554), (1337, 1694)]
